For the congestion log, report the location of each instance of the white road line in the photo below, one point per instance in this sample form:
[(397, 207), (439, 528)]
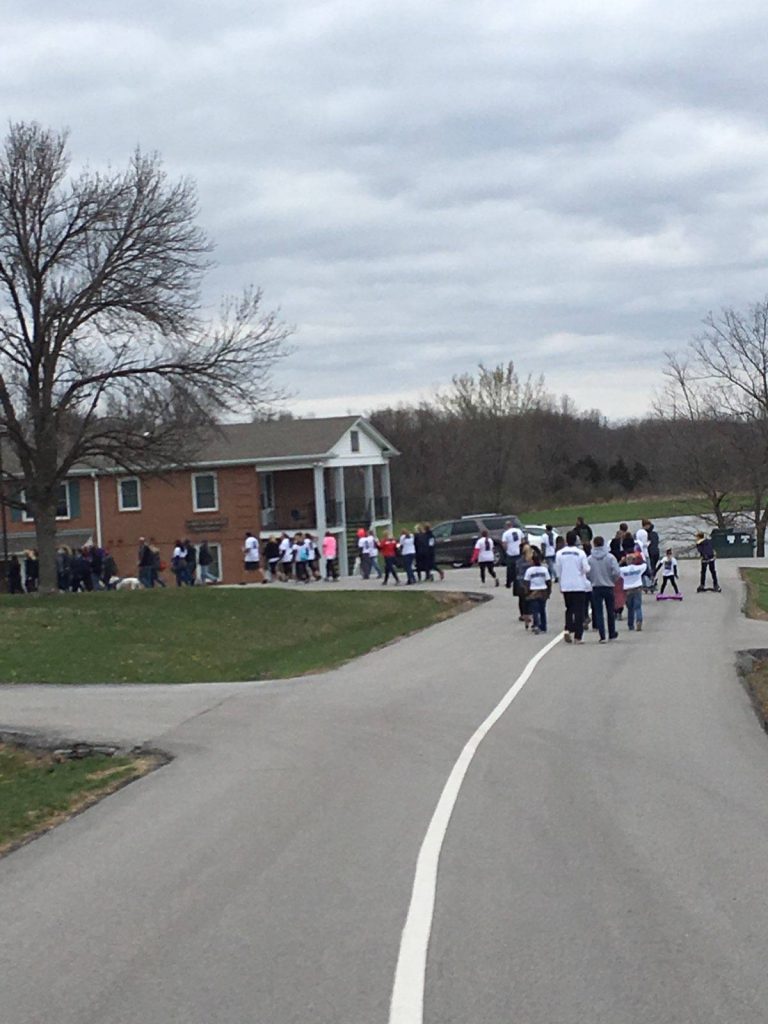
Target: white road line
[(407, 1004)]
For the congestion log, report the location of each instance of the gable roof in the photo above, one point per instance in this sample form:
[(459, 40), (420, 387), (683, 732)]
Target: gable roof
[(276, 439)]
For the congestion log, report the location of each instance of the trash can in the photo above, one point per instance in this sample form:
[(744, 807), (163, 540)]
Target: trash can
[(733, 543)]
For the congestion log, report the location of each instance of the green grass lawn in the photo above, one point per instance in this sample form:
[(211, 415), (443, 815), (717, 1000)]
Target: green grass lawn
[(624, 511), (757, 592), (613, 511), (37, 792), (197, 635)]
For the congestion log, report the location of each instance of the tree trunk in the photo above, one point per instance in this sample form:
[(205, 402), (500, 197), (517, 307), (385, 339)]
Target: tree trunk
[(761, 521), (45, 526)]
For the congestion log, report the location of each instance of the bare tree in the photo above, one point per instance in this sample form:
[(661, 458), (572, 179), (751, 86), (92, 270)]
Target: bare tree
[(488, 405), (720, 388), (103, 351)]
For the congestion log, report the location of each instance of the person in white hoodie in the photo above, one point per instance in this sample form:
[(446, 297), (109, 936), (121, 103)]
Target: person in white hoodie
[(572, 570)]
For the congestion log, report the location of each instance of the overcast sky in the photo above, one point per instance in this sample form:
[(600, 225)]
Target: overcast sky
[(423, 186)]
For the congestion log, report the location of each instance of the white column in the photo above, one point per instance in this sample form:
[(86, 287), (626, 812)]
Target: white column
[(320, 522), (97, 505), (340, 498), (386, 484), (368, 485)]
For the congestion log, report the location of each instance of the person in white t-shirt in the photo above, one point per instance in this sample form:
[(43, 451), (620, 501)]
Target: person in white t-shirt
[(668, 566), (573, 572), (632, 574), (286, 557), (484, 554), (549, 549), (538, 581), (251, 560), (511, 541), (407, 545)]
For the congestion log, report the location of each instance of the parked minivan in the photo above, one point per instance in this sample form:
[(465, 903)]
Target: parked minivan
[(455, 538)]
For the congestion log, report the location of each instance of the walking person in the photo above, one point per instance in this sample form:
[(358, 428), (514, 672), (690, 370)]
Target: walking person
[(251, 557), (373, 550), (146, 562), (272, 560), (330, 551), (14, 576), (432, 562), (179, 563), (286, 557), (668, 568), (364, 547), (484, 554), (389, 553), (654, 551), (603, 574), (205, 561), (538, 580), (573, 572), (511, 541), (523, 564), (627, 540), (632, 576), (549, 550), (707, 556), (32, 572), (408, 551), (583, 530), (191, 561)]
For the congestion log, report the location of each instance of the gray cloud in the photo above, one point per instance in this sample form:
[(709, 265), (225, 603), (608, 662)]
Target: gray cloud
[(419, 188)]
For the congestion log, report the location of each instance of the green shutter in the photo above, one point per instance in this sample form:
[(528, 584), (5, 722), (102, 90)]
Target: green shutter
[(15, 512), (74, 499)]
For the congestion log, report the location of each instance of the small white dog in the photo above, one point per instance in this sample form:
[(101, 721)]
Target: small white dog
[(128, 583)]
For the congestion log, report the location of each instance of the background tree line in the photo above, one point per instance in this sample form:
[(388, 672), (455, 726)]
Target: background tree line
[(494, 442)]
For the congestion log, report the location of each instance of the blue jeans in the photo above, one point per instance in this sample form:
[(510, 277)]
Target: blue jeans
[(634, 601), (538, 609), (146, 576), (409, 559), (602, 597)]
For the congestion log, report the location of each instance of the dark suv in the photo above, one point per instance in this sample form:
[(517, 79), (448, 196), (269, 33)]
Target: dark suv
[(455, 538)]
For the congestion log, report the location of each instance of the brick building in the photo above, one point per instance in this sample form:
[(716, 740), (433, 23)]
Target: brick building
[(309, 475)]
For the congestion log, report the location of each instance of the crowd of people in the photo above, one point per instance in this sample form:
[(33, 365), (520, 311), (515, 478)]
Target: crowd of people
[(302, 558), (598, 581)]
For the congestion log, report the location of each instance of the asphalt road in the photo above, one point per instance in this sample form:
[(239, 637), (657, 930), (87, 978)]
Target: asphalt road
[(604, 861)]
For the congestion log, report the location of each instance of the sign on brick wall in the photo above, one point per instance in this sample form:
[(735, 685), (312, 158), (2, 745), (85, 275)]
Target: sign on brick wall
[(206, 525)]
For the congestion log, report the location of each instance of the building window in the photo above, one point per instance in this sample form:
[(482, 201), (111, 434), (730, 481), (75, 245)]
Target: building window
[(267, 491), (63, 510), (205, 494), (129, 494), (354, 440)]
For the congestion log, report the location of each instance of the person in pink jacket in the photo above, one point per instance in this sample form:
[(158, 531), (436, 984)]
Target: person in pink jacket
[(330, 550)]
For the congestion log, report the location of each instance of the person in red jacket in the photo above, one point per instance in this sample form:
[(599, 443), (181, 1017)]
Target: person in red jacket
[(388, 548)]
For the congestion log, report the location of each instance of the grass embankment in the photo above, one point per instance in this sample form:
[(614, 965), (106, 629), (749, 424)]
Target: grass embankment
[(757, 592), (756, 679), (613, 511), (621, 511), (37, 791), (197, 635)]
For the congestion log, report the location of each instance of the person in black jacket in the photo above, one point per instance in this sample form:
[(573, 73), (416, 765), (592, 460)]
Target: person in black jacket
[(205, 560), (707, 556), (421, 541), (191, 561)]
